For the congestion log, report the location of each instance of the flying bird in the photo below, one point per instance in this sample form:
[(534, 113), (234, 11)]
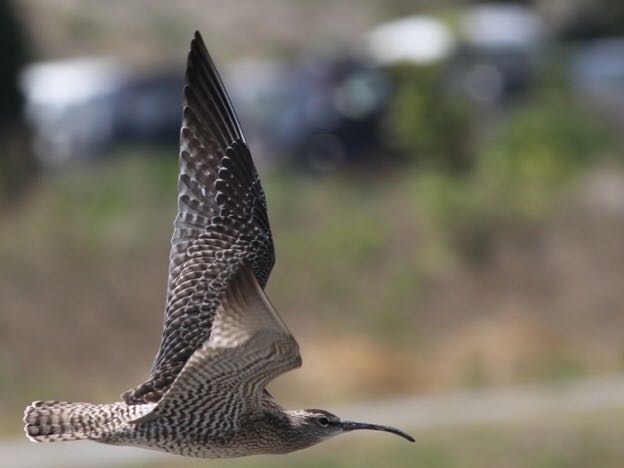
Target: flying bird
[(223, 341)]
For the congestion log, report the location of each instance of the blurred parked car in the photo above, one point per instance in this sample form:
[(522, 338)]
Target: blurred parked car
[(418, 39), (501, 45), (597, 71), (80, 108), (322, 112), (147, 107), (68, 105)]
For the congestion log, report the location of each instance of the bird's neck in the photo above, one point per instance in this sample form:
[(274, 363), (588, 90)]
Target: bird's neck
[(282, 430)]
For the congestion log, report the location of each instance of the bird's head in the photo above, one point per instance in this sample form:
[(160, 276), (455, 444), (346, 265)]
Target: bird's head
[(314, 426)]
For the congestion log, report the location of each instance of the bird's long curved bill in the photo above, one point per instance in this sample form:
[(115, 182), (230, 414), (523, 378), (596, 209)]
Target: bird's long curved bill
[(352, 426)]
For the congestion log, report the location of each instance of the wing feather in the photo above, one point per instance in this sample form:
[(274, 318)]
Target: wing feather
[(249, 346), (221, 225)]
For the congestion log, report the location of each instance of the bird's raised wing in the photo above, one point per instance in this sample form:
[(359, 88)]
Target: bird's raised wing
[(249, 346), (221, 224)]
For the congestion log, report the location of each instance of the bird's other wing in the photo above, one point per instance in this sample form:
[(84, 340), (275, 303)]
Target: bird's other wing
[(221, 223), (249, 346)]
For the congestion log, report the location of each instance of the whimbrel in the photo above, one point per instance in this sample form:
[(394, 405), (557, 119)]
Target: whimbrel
[(222, 342)]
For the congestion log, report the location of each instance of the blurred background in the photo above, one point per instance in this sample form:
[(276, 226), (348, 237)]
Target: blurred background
[(445, 184)]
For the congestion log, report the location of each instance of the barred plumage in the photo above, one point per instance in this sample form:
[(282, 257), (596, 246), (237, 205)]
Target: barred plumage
[(222, 340), (49, 421)]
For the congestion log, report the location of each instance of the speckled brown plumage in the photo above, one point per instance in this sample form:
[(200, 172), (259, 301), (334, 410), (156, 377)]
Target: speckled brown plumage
[(222, 341)]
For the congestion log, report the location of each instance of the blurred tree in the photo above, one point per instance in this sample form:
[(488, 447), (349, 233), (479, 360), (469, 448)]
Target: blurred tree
[(428, 122), (519, 173), (595, 19), (16, 160)]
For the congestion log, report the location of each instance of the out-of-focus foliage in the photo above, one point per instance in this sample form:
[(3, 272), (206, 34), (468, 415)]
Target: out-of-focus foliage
[(515, 173), (16, 161), (11, 60), (426, 121), (543, 145), (519, 174), (596, 18)]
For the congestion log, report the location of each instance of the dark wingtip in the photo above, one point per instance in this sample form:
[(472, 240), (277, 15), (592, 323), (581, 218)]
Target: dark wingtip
[(198, 41), (196, 44), (196, 54)]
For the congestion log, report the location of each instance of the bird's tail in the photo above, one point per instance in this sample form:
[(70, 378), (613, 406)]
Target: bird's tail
[(50, 421)]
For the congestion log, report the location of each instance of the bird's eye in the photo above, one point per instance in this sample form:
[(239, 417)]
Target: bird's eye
[(323, 421)]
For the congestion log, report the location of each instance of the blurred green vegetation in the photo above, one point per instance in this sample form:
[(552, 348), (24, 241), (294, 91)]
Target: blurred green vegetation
[(474, 187), (426, 121), (357, 259)]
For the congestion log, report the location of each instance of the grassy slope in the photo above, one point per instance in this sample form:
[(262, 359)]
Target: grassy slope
[(365, 279)]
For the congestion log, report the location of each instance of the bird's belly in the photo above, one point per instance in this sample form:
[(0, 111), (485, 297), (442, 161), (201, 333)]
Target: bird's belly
[(186, 440)]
